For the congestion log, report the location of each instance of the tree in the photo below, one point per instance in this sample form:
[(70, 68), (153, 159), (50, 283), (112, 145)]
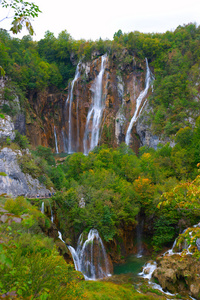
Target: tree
[(21, 12)]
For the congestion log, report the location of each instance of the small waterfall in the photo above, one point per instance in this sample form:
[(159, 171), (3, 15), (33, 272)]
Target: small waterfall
[(42, 208), (64, 142), (77, 125), (95, 112), (70, 99), (139, 230), (138, 104), (56, 142), (52, 218), (90, 256), (60, 236), (148, 270), (147, 273)]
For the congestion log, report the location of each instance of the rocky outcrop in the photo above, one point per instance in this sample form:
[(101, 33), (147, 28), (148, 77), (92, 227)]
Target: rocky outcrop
[(13, 181), (6, 128), (178, 270), (179, 274), (144, 131)]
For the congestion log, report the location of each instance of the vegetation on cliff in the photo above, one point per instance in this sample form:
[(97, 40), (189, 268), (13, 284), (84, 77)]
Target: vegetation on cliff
[(174, 57)]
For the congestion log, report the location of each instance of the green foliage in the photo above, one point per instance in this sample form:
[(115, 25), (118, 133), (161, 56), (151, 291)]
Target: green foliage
[(46, 154), (30, 264), (21, 140), (28, 165), (22, 14), (37, 166)]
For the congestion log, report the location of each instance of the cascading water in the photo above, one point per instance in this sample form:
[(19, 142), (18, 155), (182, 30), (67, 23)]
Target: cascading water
[(90, 256), (147, 273), (70, 99), (95, 112), (56, 141), (138, 104)]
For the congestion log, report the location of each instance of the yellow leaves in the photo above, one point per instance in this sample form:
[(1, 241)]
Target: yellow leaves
[(146, 156), (185, 195)]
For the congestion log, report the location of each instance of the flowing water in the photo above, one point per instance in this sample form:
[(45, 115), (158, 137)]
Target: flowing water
[(90, 256), (42, 208), (70, 99), (56, 141), (95, 113), (138, 108), (64, 141)]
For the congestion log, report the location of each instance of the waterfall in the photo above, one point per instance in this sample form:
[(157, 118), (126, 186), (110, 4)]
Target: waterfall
[(70, 99), (64, 142), (95, 112), (52, 218), (147, 273), (56, 142), (138, 103), (42, 208), (90, 256), (77, 125), (139, 230), (60, 236)]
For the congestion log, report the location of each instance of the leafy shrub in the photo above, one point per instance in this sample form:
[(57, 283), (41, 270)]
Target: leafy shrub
[(21, 140)]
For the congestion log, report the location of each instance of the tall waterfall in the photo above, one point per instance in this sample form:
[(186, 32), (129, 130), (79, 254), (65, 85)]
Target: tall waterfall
[(70, 99), (138, 104), (56, 141), (95, 112), (90, 256)]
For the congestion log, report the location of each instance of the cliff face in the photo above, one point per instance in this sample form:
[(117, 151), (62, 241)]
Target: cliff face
[(13, 181), (97, 106)]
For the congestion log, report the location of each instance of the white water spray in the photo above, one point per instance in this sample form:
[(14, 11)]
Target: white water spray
[(96, 111), (90, 256), (70, 99), (138, 104), (147, 273)]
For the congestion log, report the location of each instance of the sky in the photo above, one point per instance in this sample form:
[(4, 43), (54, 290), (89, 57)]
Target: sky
[(90, 19)]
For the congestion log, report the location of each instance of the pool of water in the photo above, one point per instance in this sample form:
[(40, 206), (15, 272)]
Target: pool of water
[(132, 265)]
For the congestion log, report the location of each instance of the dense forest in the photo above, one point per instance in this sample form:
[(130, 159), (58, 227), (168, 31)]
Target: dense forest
[(119, 187)]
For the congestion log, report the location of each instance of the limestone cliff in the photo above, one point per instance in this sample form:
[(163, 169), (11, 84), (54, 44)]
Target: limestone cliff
[(12, 180), (56, 121)]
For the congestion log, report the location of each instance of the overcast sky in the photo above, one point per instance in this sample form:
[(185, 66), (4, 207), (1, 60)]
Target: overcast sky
[(90, 19)]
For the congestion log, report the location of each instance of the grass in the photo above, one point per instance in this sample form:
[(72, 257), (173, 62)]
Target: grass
[(98, 290)]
